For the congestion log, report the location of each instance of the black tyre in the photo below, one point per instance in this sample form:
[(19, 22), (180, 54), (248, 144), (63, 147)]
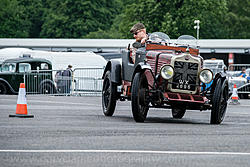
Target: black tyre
[(178, 112), (47, 88), (140, 94), (219, 102), (109, 95), (3, 89)]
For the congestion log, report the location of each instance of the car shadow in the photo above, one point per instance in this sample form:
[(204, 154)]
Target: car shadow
[(174, 121), (162, 120)]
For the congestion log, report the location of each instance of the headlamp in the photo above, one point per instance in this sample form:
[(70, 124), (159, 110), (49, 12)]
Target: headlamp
[(206, 76), (167, 72)]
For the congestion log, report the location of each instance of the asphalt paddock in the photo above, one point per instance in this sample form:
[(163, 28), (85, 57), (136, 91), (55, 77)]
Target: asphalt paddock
[(72, 131)]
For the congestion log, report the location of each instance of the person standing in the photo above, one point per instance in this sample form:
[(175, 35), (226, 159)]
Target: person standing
[(67, 75)]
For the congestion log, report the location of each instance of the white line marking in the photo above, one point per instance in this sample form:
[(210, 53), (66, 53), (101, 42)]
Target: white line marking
[(125, 151), (240, 105), (51, 102)]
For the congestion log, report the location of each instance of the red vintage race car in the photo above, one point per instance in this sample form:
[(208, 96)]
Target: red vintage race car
[(164, 75)]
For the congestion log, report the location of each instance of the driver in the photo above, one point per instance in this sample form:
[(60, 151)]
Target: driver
[(139, 32)]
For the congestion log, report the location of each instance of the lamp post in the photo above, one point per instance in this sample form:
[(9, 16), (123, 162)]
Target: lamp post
[(197, 27)]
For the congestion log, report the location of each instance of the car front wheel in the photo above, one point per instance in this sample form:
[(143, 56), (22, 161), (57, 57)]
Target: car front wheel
[(140, 93), (219, 102), (109, 95)]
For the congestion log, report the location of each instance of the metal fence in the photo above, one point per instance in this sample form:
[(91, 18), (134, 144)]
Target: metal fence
[(87, 81), (240, 79), (79, 82), (40, 82)]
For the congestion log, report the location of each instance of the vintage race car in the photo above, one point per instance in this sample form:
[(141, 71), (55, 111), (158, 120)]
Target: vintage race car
[(215, 65), (164, 75)]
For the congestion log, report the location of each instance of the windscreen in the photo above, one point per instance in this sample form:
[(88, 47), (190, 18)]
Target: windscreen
[(159, 37), (187, 41), (9, 67)]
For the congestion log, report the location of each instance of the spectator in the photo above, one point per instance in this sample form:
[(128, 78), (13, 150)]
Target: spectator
[(243, 73), (67, 77), (59, 81), (45, 66)]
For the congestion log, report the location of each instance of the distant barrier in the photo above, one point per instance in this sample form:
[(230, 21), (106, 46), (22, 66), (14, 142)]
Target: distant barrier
[(87, 81), (79, 82), (40, 82), (238, 67)]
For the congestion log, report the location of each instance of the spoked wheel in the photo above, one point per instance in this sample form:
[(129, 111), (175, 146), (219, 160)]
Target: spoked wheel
[(140, 93), (109, 95), (219, 102), (178, 112)]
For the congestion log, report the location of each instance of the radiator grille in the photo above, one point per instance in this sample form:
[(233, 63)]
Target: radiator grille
[(185, 75)]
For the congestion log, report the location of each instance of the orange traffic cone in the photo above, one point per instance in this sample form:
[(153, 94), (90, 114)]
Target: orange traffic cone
[(21, 108), (234, 97)]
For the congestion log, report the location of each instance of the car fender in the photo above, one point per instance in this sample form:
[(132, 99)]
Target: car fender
[(114, 66), (9, 86), (218, 76), (141, 67)]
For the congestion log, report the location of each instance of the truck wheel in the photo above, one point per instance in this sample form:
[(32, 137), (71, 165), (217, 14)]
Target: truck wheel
[(3, 89), (219, 101), (139, 97), (178, 112), (46, 88), (109, 95)]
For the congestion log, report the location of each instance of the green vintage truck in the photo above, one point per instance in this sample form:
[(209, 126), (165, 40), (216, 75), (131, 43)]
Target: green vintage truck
[(36, 73)]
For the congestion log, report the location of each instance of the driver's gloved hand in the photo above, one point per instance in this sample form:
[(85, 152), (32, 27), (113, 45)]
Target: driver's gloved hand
[(137, 45)]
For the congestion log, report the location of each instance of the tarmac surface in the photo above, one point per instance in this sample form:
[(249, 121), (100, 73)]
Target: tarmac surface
[(72, 131)]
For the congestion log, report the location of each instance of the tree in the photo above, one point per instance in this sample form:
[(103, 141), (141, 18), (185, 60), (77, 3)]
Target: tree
[(113, 19), (33, 14), (238, 19), (12, 20), (176, 17), (76, 18), (112, 33)]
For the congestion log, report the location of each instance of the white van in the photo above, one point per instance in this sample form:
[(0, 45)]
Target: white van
[(60, 60)]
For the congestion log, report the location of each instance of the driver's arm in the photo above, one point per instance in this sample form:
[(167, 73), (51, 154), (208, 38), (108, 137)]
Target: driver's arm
[(143, 41)]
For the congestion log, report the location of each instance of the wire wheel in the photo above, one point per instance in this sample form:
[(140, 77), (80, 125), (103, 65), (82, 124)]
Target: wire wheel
[(219, 101), (109, 92), (140, 102)]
